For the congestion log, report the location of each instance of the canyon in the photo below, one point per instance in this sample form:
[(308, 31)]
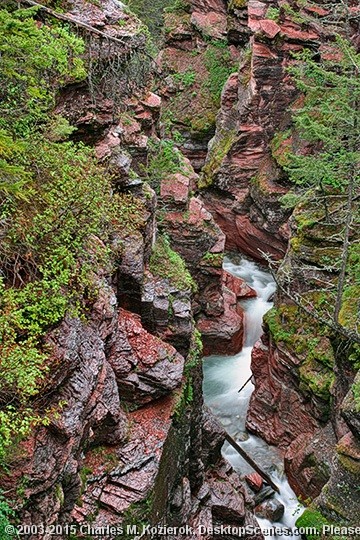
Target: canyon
[(132, 441)]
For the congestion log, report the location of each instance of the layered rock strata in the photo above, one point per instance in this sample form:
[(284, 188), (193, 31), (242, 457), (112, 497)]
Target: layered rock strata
[(128, 439)]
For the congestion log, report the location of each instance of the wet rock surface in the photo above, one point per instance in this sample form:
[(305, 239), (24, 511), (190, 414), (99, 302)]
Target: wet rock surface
[(130, 438), (242, 168), (272, 509), (255, 481)]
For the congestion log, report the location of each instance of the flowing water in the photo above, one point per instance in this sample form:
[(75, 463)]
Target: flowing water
[(225, 375)]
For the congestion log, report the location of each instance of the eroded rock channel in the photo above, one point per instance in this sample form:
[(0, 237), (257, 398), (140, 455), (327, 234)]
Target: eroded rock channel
[(227, 391), (148, 162)]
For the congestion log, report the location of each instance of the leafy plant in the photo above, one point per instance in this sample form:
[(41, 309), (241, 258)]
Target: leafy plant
[(6, 513), (177, 6), (13, 177), (220, 65), (166, 263), (186, 78), (164, 159), (273, 13), (35, 60)]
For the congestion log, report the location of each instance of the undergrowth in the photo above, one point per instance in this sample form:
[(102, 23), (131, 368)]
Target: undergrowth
[(57, 216), (166, 263)]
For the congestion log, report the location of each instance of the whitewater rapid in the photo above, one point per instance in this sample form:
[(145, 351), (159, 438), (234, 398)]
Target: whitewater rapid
[(225, 375)]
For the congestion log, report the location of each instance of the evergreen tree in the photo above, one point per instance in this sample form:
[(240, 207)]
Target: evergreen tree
[(329, 119)]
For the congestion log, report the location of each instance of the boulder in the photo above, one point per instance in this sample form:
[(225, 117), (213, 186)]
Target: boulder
[(255, 481), (272, 509), (145, 367), (210, 24), (223, 334)]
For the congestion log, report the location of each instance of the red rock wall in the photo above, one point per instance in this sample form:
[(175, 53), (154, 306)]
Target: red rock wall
[(131, 441), (242, 181)]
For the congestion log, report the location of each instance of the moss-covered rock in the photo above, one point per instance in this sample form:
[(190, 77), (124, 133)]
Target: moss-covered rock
[(312, 519), (316, 378), (217, 153)]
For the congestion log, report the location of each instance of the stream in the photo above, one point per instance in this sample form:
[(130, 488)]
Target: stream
[(225, 375)]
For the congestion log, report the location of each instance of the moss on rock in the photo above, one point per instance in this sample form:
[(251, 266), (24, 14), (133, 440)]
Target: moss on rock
[(218, 152), (317, 378), (166, 263)]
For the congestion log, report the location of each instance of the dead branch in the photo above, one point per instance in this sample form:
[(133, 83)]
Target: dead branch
[(310, 309), (73, 20)]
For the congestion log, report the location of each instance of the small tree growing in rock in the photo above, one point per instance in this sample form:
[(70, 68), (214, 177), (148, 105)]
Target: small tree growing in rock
[(329, 119)]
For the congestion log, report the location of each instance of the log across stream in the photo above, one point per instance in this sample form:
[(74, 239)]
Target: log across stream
[(225, 375)]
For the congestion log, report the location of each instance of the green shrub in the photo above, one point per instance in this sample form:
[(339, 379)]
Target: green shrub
[(164, 159), (35, 60), (273, 14), (166, 263), (186, 78), (6, 513), (48, 254), (220, 65)]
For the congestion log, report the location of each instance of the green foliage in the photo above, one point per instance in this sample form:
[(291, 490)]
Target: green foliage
[(273, 14), (186, 78), (57, 215), (178, 6), (128, 213), (138, 514), (295, 14), (152, 13), (6, 514), (35, 61), (47, 255), (213, 259), (220, 65), (166, 263), (164, 159), (59, 129), (356, 393), (46, 214), (329, 166), (290, 200), (329, 118), (13, 177)]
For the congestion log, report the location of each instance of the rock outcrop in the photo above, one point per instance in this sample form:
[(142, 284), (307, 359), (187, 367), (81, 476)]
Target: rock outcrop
[(241, 180), (127, 439)]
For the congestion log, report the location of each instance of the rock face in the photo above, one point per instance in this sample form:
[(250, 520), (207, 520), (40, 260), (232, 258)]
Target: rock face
[(194, 234), (272, 510), (194, 64), (242, 182), (129, 440)]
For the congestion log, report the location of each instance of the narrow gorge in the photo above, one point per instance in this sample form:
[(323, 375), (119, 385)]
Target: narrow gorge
[(180, 263)]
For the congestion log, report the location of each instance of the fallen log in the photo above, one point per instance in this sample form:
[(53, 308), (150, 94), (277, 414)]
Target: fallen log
[(247, 382), (251, 462)]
